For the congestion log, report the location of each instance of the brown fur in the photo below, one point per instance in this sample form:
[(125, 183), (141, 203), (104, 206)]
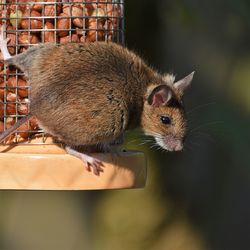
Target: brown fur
[(90, 93)]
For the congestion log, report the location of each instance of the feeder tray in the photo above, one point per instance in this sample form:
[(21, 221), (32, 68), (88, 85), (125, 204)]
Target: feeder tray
[(35, 166)]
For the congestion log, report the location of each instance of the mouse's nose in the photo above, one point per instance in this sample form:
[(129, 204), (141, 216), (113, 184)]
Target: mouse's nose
[(178, 145), (173, 143)]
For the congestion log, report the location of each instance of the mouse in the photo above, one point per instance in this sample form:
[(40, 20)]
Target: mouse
[(89, 94)]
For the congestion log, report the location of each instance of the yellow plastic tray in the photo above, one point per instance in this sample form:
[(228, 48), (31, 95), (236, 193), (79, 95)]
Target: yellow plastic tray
[(49, 167)]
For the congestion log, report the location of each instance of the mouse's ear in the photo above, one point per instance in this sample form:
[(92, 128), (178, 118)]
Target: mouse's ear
[(159, 96), (182, 84)]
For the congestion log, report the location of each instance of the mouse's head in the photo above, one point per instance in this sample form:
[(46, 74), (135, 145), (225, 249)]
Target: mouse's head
[(163, 115)]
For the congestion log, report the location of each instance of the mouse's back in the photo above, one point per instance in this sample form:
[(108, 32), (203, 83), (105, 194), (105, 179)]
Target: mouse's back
[(96, 62)]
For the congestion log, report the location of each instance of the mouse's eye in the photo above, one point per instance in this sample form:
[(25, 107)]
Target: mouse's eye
[(165, 120)]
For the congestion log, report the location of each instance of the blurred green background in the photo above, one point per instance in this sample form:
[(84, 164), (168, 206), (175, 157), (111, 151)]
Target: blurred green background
[(198, 199)]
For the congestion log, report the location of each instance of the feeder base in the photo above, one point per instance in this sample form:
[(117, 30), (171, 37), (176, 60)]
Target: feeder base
[(49, 167)]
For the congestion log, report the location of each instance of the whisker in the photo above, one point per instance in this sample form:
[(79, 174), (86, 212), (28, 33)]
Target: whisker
[(206, 135), (141, 141), (186, 149), (196, 144), (199, 107), (205, 124), (132, 141), (154, 134), (155, 146), (144, 143)]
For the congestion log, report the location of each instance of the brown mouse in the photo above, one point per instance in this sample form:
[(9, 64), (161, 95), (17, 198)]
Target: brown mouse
[(90, 93)]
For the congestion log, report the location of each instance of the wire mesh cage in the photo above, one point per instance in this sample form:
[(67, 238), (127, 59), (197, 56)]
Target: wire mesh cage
[(31, 22)]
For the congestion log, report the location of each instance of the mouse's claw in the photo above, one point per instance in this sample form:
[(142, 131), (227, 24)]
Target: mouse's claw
[(89, 161), (93, 163)]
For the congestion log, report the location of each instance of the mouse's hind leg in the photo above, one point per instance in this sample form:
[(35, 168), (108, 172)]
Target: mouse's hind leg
[(90, 161), (3, 44), (119, 140), (115, 146)]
